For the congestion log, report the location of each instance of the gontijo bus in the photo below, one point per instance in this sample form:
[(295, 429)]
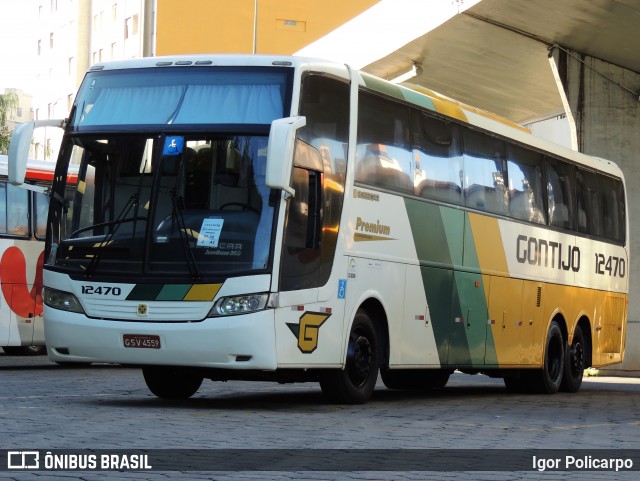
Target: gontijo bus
[(287, 219)]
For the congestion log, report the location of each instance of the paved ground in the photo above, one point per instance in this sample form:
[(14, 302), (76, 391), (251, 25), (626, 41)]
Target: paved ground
[(44, 406)]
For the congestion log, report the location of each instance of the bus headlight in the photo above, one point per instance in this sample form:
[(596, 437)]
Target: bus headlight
[(62, 300), (239, 304)]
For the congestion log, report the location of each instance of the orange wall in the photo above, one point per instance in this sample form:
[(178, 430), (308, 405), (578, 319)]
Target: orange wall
[(226, 26)]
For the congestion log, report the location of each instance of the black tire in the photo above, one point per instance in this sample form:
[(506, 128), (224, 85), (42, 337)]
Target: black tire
[(415, 379), (355, 383), (171, 382), (25, 350), (574, 362), (549, 378)]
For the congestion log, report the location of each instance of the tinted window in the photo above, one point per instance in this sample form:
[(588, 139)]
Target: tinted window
[(589, 197), (484, 159), (613, 208), (524, 172), (14, 210), (313, 216), (41, 210), (383, 155), (600, 202), (438, 161), (560, 177)]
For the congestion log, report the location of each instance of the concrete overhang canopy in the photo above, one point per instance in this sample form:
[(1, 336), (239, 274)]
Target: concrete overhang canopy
[(495, 54)]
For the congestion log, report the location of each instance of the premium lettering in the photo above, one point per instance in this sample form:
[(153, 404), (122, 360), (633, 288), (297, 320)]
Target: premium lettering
[(372, 227)]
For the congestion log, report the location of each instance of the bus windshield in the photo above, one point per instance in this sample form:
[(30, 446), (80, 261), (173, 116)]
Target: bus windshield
[(181, 96), (178, 205), (171, 178)]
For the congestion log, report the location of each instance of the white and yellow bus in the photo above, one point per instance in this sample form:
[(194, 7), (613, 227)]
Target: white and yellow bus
[(288, 219), (23, 224)]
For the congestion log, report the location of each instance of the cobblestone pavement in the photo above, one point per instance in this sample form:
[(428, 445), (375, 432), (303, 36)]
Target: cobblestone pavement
[(44, 406)]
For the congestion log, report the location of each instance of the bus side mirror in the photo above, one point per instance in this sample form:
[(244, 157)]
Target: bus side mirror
[(282, 139), (19, 147)]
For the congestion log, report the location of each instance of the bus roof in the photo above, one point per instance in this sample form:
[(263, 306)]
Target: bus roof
[(412, 94)]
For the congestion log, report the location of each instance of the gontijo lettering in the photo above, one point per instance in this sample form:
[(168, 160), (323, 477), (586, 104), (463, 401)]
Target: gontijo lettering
[(539, 252)]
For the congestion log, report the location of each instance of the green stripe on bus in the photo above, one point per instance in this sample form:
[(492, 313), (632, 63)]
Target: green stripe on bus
[(417, 98), (144, 292), (453, 285), (173, 292), (380, 85)]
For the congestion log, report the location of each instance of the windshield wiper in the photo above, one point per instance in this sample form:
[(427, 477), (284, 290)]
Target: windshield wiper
[(176, 212), (122, 217)]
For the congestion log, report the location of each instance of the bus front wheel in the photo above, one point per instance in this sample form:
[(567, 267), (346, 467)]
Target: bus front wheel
[(355, 383), (171, 382)]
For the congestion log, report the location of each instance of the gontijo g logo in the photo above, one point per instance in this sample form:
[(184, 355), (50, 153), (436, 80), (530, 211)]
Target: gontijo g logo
[(308, 329)]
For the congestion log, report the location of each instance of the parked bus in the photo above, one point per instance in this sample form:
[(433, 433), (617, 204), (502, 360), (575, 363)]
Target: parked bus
[(23, 224), (288, 219)]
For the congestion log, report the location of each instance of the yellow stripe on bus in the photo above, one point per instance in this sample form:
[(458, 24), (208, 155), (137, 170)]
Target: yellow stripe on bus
[(202, 292)]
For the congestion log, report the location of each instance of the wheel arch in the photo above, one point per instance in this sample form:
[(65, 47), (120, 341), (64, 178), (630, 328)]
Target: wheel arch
[(559, 318), (584, 324), (376, 311)]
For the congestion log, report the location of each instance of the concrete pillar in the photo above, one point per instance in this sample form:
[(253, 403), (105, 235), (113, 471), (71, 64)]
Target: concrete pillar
[(603, 104)]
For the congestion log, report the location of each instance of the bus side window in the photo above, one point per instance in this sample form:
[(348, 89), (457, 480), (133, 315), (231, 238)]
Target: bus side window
[(524, 172), (41, 210), (3, 207), (17, 211), (438, 161), (588, 194), (613, 209), (484, 179), (383, 157), (560, 194)]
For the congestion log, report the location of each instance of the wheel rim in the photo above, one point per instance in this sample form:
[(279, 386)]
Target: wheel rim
[(554, 358), (359, 358), (577, 359)]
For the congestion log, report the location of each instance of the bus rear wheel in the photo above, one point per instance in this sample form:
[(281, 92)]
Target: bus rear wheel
[(574, 360), (355, 383), (549, 378), (171, 382)]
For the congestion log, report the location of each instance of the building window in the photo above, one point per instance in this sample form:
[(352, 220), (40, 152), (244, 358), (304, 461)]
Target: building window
[(130, 26), (51, 40), (39, 47)]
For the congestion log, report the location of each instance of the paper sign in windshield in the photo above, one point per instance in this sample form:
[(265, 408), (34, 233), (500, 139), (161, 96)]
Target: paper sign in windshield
[(210, 233)]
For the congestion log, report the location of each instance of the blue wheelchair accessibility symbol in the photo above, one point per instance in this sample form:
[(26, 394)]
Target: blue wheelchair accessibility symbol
[(173, 145), (342, 288)]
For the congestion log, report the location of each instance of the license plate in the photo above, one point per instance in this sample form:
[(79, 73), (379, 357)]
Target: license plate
[(141, 341)]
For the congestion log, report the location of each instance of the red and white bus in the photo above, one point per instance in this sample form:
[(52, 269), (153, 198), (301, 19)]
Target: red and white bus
[(23, 222)]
